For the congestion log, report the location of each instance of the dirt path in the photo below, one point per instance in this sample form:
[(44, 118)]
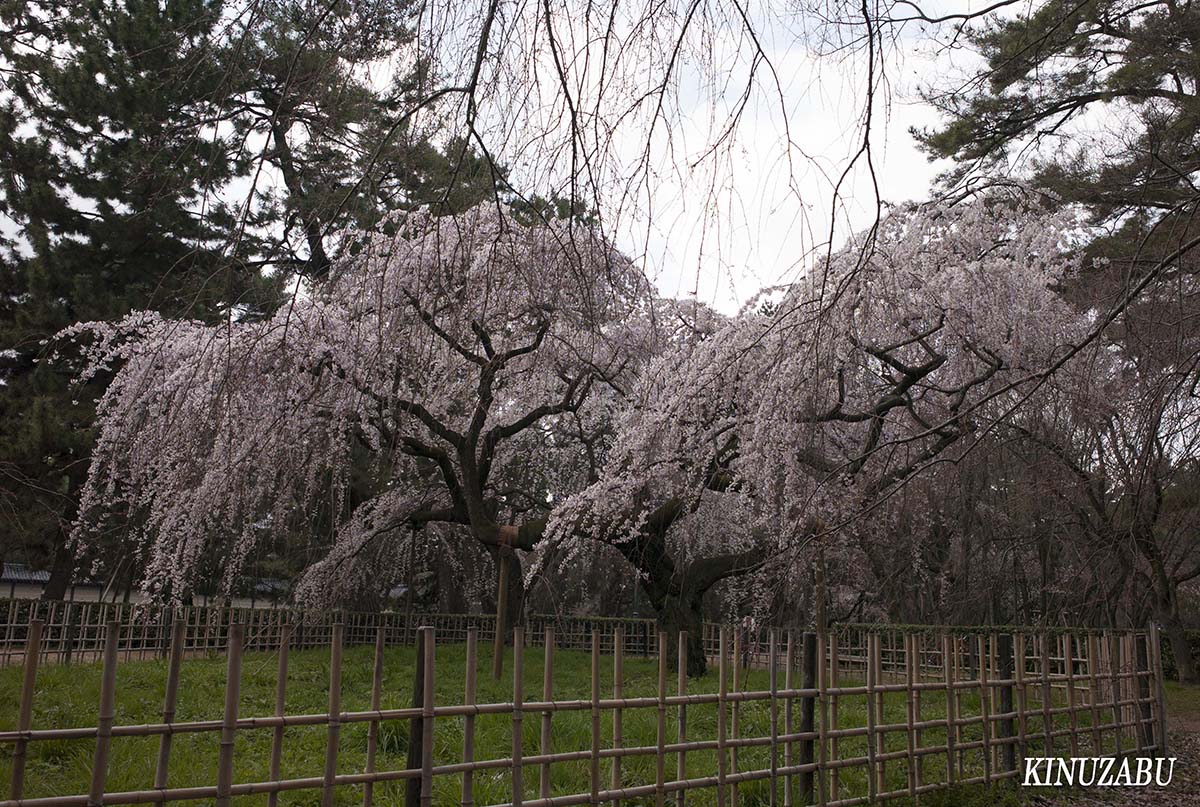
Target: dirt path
[(1184, 790)]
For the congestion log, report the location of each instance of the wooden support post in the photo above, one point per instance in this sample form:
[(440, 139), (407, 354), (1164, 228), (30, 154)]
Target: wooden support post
[(547, 696), (468, 780), (808, 680), (501, 611), (33, 647), (233, 684)]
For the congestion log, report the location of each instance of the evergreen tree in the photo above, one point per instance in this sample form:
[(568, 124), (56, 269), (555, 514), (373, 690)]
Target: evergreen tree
[(189, 157), (1101, 97)]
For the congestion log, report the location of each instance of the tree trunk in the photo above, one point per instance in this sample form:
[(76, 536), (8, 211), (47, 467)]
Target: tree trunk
[(682, 612), (516, 591), (1181, 649), (62, 570)]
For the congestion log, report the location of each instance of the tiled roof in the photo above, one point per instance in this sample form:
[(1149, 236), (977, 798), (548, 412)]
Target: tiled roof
[(21, 573)]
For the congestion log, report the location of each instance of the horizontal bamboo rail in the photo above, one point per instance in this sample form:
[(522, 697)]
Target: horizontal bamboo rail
[(999, 697)]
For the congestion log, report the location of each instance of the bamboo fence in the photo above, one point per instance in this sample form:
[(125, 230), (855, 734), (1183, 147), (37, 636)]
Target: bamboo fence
[(940, 707)]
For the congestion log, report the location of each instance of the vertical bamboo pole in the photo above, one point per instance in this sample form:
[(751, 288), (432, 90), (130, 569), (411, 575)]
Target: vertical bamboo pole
[(1072, 715), (734, 789), (427, 701), (1114, 662), (547, 696), (108, 690), (660, 792), (1047, 719), (468, 778), (918, 641), (33, 647), (789, 662), (872, 670), (948, 674), (1094, 691), (233, 683), (681, 690), (834, 676), (618, 684), (773, 682), (594, 771), (333, 718), (722, 694), (910, 714), (1022, 700), (985, 711), (285, 643), (1159, 692), (172, 693), (518, 716), (376, 703), (880, 736), (823, 722), (1130, 678)]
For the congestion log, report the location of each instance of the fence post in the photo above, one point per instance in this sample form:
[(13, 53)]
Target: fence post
[(1160, 693), (68, 632), (548, 695), (681, 689), (168, 713), (468, 777), (33, 644), (1005, 648), (233, 681), (808, 680), (285, 641), (416, 725), (108, 691), (518, 715), (334, 712)]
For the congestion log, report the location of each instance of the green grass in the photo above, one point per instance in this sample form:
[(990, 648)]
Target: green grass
[(1183, 703), (68, 697)]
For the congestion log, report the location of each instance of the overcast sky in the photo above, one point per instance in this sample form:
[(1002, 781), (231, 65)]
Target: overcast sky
[(775, 218)]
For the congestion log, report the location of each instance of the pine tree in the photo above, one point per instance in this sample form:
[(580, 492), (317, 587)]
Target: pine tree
[(189, 157)]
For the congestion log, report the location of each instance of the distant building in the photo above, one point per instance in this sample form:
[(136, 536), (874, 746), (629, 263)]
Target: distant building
[(19, 581)]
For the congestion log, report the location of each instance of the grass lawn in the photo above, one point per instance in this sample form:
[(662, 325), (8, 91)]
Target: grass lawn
[(68, 697)]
